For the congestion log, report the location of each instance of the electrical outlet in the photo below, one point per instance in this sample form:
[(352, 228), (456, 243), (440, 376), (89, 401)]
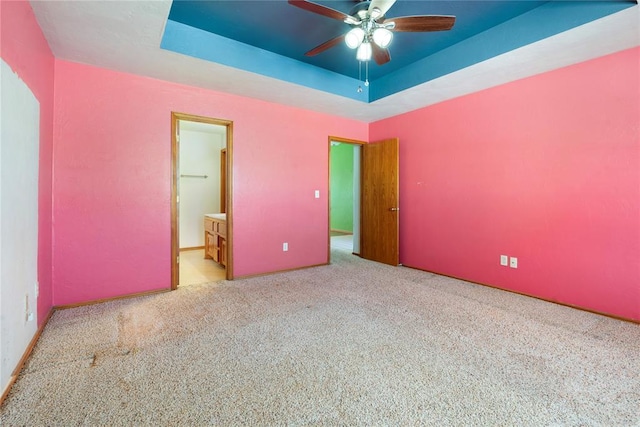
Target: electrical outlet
[(504, 260), (26, 307), (37, 288), (285, 247), (513, 262)]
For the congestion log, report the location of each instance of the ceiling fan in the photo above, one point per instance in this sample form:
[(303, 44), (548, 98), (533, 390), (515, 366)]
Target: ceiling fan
[(371, 31)]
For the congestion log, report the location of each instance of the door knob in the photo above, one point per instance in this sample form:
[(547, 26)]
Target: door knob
[(394, 209)]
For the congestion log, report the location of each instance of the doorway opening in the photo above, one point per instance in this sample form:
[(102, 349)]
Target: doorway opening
[(344, 195), (375, 199), (201, 207)]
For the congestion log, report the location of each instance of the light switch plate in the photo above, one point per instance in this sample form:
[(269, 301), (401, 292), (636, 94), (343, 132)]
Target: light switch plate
[(513, 262), (504, 260), (285, 247), (317, 194)]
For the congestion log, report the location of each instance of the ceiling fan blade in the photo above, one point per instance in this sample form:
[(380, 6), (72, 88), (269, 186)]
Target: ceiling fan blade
[(319, 9), (383, 5), (380, 55), (423, 23), (326, 45)]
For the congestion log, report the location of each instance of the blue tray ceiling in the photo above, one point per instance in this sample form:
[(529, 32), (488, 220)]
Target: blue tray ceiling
[(270, 37)]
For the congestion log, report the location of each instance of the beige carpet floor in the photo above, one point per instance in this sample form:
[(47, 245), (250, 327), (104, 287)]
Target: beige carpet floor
[(353, 343)]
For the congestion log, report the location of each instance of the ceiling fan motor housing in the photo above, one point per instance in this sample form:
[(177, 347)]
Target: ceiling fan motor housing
[(367, 30), (360, 9)]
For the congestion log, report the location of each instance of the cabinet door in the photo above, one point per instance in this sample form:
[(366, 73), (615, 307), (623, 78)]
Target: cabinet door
[(207, 246), (212, 246), (223, 251)]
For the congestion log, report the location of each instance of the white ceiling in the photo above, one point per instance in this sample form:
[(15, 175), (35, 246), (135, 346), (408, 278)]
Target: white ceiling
[(127, 38)]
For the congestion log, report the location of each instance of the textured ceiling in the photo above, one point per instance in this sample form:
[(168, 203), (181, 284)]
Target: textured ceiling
[(130, 36)]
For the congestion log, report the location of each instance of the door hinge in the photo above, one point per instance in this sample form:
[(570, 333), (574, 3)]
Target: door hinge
[(177, 137), (178, 259), (177, 199)]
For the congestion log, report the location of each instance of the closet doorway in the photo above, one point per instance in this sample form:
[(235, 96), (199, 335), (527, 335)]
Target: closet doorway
[(201, 208)]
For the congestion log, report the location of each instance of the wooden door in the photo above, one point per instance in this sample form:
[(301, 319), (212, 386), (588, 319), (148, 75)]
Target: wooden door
[(380, 202)]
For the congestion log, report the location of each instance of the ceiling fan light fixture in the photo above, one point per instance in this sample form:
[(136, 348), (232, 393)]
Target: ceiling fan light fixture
[(382, 37), (364, 52), (354, 37)]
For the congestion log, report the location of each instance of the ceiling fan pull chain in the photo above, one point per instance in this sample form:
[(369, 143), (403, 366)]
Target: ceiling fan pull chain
[(366, 71), (366, 67)]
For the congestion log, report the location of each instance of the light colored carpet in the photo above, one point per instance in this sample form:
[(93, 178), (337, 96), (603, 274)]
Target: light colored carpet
[(354, 343)]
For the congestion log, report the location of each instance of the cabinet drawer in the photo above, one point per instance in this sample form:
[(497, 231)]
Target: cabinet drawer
[(209, 225)]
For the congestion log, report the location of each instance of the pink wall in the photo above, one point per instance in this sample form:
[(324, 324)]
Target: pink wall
[(545, 169), (112, 180), (25, 49)]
